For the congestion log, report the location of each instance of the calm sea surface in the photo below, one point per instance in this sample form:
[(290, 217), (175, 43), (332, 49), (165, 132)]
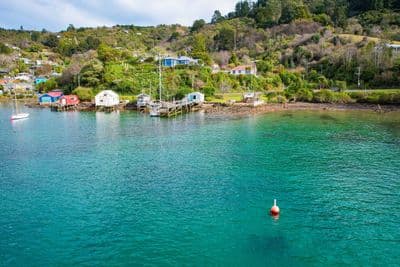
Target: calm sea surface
[(100, 189)]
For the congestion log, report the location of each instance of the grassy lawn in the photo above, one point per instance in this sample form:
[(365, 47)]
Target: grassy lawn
[(223, 98)]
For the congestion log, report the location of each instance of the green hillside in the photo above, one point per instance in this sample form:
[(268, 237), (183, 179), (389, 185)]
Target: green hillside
[(298, 47)]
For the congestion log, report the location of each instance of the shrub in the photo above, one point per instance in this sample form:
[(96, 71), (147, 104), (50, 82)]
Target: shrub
[(304, 95), (376, 97), (182, 92), (324, 96), (84, 93), (47, 86), (208, 91), (343, 98)]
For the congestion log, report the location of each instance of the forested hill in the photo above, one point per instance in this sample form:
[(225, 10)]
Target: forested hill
[(296, 44)]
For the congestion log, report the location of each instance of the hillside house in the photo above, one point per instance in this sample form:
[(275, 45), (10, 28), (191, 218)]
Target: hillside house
[(175, 61), (39, 80), (244, 70)]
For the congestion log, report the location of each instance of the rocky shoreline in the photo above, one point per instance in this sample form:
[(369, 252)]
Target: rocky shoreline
[(242, 109)]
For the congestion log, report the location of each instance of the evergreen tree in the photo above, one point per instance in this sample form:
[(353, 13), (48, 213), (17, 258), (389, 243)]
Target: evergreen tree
[(197, 25), (242, 9), (217, 17), (199, 49)]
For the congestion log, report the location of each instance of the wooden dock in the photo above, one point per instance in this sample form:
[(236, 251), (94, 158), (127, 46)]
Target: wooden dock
[(61, 108), (172, 109)]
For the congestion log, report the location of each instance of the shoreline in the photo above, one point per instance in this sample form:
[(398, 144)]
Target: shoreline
[(241, 109)]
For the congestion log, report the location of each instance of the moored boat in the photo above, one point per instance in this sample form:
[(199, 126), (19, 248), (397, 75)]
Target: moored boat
[(19, 116)]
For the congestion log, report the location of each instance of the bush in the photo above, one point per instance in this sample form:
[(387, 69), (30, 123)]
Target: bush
[(5, 49), (341, 85), (182, 92), (324, 19), (377, 97), (327, 96), (304, 95), (47, 86), (343, 98), (208, 91), (324, 96), (84, 93)]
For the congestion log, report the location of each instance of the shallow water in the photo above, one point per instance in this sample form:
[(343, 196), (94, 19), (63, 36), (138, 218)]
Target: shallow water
[(124, 189)]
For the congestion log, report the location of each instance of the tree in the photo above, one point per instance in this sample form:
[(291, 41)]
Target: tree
[(107, 53), (47, 86), (70, 28), (292, 10), (197, 25), (51, 41), (225, 39), (242, 9), (91, 42), (35, 36), (217, 17), (234, 59), (269, 14), (5, 49), (92, 74), (199, 49), (84, 94)]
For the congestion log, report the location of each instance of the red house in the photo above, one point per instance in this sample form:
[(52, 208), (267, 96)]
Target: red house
[(69, 100)]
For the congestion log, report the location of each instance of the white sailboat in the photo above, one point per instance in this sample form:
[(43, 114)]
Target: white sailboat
[(18, 115)]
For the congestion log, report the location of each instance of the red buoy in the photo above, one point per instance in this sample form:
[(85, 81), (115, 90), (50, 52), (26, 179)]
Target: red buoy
[(275, 209)]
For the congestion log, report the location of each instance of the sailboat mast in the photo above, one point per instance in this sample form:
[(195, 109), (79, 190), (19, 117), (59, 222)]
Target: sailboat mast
[(16, 104), (159, 76)]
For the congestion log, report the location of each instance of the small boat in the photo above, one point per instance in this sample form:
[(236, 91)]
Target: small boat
[(155, 109), (17, 115)]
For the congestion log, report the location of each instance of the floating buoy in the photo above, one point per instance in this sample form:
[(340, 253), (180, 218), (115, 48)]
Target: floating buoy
[(275, 209)]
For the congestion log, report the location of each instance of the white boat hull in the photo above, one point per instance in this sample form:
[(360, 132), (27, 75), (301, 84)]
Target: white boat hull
[(19, 116), (154, 113)]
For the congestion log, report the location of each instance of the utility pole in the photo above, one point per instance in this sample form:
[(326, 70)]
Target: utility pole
[(235, 40)]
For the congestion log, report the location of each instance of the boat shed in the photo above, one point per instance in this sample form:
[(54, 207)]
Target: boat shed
[(195, 97), (69, 100), (50, 97), (107, 98)]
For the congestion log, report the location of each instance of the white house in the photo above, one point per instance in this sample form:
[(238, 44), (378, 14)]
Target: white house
[(195, 97), (107, 98), (244, 70), (23, 77)]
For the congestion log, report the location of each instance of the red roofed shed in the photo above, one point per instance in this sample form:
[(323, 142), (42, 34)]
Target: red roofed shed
[(69, 100)]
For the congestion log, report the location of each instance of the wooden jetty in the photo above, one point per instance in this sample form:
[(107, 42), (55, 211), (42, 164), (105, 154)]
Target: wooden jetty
[(174, 108), (59, 107)]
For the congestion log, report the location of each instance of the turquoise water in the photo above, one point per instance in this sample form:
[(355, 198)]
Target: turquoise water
[(124, 189)]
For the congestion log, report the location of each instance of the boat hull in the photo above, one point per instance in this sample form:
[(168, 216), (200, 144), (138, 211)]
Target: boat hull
[(19, 116)]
